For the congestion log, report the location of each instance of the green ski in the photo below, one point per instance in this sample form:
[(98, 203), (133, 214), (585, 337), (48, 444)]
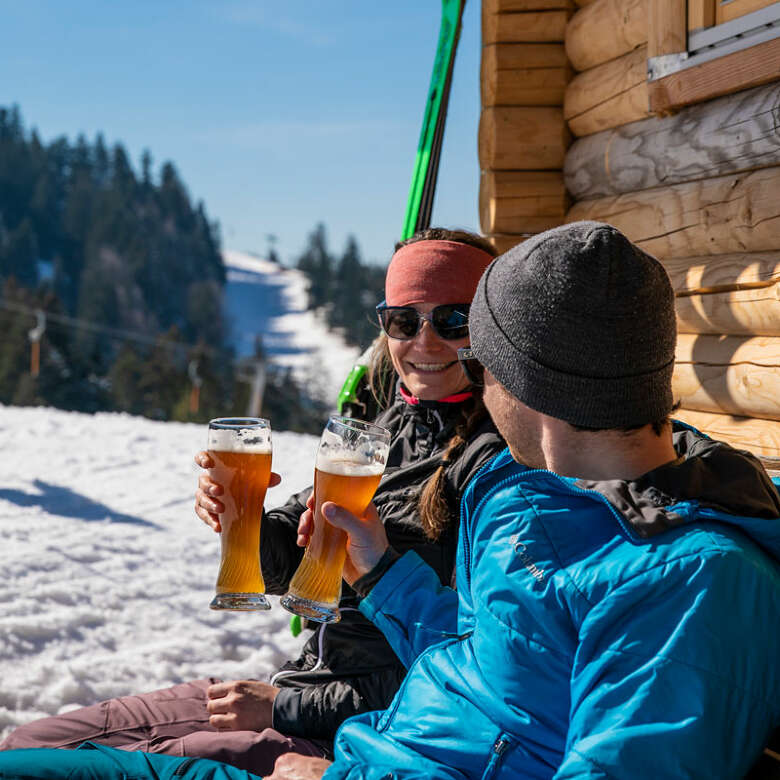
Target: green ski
[(419, 205)]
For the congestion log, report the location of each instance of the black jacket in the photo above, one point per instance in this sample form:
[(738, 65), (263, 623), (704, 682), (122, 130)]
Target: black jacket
[(348, 667)]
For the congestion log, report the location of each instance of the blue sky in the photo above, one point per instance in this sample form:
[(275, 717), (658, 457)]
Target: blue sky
[(277, 114)]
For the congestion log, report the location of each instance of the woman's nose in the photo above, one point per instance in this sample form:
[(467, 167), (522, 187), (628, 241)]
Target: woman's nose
[(427, 335)]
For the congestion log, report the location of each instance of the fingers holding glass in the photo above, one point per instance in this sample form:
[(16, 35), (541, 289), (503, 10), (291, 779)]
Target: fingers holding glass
[(350, 462)]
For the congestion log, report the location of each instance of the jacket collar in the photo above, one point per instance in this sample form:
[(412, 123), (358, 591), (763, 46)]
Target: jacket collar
[(708, 475)]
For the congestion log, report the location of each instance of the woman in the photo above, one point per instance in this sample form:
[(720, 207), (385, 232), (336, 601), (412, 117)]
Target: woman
[(441, 437)]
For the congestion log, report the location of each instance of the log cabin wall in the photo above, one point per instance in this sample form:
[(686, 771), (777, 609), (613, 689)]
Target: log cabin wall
[(523, 136), (687, 166)]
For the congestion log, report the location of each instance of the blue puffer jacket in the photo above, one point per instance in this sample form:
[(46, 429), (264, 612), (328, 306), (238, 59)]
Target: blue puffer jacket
[(617, 629)]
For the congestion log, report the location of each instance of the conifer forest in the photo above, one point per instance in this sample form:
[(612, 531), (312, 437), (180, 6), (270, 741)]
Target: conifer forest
[(129, 273)]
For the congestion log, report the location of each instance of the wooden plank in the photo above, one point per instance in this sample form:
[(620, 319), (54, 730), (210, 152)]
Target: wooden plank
[(520, 138), (608, 95), (517, 56), (504, 6), (504, 242), (762, 437), (587, 45), (733, 9), (701, 14), (737, 213), (525, 87), (537, 26), (667, 27), (734, 133), (750, 312), (728, 375), (521, 201), (723, 273), (516, 184), (741, 70)]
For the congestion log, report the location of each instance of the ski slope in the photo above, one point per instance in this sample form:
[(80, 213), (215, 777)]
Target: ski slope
[(261, 297)]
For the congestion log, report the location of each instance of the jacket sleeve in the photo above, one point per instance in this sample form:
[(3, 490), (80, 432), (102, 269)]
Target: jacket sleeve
[(279, 553), (677, 684), (411, 607), (316, 712)]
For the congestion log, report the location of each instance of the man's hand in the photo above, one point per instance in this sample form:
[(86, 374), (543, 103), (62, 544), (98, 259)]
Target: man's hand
[(241, 705), (291, 766)]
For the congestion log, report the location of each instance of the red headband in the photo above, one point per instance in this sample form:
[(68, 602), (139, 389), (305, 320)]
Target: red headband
[(434, 272)]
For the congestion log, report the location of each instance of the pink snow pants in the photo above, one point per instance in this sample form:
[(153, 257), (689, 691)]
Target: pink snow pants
[(172, 721)]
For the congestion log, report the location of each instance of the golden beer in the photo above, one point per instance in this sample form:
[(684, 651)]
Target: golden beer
[(350, 463), (318, 578), (242, 465)]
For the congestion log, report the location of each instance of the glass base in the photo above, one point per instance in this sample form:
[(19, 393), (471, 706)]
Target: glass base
[(240, 602), (311, 610)]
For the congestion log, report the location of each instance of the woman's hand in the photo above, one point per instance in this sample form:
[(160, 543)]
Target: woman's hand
[(241, 705), (207, 506), (366, 542)]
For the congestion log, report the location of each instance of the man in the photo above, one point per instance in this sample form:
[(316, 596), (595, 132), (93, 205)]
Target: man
[(618, 583)]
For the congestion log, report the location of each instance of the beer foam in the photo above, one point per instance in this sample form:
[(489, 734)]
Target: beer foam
[(349, 468), (254, 442)]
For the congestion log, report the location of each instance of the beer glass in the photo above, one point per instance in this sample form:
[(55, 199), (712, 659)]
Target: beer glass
[(350, 461), (241, 451)]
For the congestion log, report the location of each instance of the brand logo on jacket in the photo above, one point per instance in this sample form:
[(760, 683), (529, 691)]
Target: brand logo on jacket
[(521, 549)]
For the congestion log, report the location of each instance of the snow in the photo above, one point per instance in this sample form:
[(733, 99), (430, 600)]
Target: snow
[(262, 297), (105, 571)]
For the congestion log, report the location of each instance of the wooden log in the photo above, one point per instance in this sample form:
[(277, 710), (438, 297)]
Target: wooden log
[(724, 273), (503, 242), (608, 95), (504, 6), (521, 201), (701, 14), (751, 312), (583, 3), (520, 138), (523, 85), (761, 437), (733, 9), (536, 26), (538, 201), (731, 73), (734, 133), (587, 42), (667, 27), (737, 213), (734, 294), (728, 375)]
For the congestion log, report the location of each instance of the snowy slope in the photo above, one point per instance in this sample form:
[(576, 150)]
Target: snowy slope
[(105, 571), (264, 298)]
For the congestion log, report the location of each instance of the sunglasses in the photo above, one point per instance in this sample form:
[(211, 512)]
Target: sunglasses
[(472, 368), (449, 321)]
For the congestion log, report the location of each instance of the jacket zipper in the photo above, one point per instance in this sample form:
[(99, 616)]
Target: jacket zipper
[(500, 746)]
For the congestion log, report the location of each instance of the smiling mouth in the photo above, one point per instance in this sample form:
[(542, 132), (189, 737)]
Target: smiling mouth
[(431, 368)]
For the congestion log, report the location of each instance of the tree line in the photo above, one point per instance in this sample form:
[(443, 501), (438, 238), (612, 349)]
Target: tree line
[(107, 253), (344, 288)]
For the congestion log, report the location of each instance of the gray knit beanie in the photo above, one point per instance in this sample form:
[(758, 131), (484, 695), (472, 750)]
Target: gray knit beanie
[(578, 323)]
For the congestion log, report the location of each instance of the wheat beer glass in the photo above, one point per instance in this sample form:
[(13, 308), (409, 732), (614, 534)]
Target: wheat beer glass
[(350, 461), (241, 451)]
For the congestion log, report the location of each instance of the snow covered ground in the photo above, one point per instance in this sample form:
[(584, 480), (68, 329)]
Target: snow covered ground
[(262, 297), (105, 571)]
